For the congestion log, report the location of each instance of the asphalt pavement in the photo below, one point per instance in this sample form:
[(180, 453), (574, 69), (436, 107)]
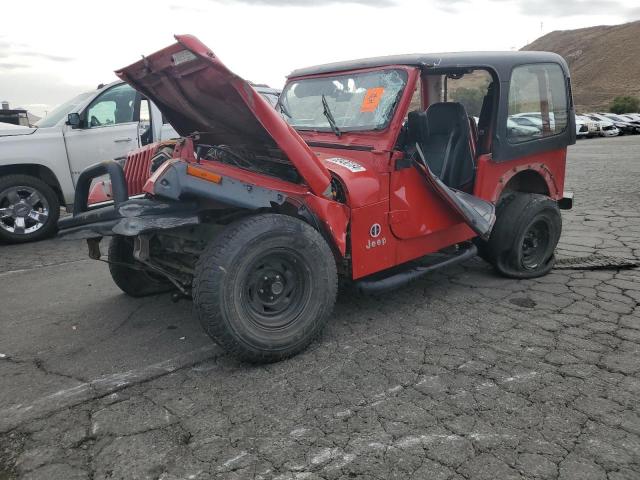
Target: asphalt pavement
[(462, 375)]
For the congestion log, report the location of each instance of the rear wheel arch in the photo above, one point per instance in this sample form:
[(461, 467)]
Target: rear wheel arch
[(527, 180), (38, 171)]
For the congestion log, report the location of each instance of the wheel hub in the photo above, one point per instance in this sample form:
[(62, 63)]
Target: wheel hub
[(274, 287), (23, 210), (271, 287), (277, 288), (534, 245)]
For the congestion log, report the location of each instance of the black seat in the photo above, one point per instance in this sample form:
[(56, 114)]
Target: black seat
[(444, 135), (416, 128)]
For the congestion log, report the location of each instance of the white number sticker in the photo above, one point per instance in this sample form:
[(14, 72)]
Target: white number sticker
[(349, 164)]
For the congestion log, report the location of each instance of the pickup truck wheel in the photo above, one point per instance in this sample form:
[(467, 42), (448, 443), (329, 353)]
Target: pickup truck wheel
[(29, 209), (525, 236), (133, 282), (264, 288)]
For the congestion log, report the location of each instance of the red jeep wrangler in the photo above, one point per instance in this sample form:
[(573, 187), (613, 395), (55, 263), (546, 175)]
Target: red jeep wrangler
[(365, 170)]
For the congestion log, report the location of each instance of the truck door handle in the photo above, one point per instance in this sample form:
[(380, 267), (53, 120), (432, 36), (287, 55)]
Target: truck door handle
[(124, 139)]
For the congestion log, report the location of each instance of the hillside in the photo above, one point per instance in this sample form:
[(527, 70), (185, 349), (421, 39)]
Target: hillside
[(604, 62)]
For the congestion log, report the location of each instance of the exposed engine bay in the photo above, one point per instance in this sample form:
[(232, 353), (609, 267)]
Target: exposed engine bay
[(269, 162)]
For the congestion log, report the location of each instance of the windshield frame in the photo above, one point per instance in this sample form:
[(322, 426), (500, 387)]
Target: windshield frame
[(404, 71)]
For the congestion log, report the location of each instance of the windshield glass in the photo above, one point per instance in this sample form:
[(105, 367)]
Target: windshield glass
[(357, 101), (61, 111)]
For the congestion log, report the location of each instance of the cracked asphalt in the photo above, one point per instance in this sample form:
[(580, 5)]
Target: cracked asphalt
[(462, 375)]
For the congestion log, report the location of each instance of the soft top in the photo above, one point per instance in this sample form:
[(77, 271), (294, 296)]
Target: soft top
[(500, 61)]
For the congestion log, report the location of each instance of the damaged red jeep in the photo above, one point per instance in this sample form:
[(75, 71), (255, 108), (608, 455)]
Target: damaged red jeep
[(369, 170)]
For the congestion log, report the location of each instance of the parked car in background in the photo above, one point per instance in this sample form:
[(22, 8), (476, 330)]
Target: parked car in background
[(527, 121), (625, 127), (628, 125), (39, 166), (582, 130), (592, 127), (607, 128), (536, 117), (523, 127), (630, 118)]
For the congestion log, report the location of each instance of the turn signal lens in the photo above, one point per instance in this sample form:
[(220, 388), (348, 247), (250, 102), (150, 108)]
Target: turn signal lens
[(203, 174)]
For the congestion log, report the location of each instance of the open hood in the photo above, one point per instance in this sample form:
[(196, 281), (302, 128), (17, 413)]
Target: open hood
[(196, 92)]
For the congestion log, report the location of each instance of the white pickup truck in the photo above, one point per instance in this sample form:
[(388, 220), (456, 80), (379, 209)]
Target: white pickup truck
[(39, 166)]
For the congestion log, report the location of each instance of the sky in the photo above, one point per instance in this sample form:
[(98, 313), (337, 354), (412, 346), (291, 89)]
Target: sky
[(52, 50)]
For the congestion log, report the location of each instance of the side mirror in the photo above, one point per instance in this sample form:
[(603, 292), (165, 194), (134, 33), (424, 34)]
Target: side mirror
[(73, 119)]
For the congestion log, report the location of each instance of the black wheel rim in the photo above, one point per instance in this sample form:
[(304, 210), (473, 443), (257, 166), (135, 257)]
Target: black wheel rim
[(535, 245), (277, 288)]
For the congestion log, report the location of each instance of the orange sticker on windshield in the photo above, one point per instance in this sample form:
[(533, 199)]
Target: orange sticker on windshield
[(372, 99)]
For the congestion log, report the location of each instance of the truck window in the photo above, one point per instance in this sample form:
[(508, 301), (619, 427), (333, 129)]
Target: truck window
[(537, 102), (468, 89), (113, 107), (145, 114), (144, 127)]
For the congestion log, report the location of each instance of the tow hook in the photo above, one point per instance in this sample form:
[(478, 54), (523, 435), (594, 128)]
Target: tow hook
[(94, 248)]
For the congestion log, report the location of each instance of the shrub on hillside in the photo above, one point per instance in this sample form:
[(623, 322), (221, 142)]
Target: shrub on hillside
[(625, 104)]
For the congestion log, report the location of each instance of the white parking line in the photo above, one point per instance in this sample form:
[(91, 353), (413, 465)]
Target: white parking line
[(14, 415), (38, 267)]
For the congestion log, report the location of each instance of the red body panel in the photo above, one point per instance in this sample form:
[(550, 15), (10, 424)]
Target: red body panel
[(371, 253), (416, 210), (492, 177), (100, 192), (362, 187)]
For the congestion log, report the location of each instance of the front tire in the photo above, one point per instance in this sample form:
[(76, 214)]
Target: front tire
[(29, 209), (125, 274), (525, 236), (265, 287)]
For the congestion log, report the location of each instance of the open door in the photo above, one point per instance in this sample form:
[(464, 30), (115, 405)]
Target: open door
[(479, 214)]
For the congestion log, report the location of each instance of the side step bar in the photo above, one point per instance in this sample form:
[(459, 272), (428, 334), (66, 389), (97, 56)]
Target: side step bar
[(397, 280)]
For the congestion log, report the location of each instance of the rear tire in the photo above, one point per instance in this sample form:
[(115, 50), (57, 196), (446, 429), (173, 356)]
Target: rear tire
[(525, 236), (29, 209), (133, 282), (265, 287)]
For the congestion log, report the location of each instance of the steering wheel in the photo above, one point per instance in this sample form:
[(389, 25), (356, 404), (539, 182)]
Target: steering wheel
[(94, 121)]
